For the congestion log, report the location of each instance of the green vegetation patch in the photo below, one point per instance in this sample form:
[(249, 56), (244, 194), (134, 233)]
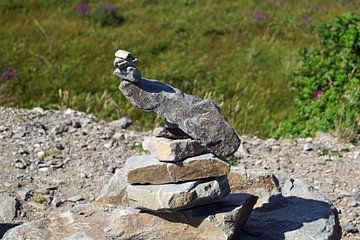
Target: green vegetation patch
[(241, 54)]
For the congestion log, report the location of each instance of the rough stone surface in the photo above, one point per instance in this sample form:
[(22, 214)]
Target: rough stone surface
[(168, 133), (114, 192), (147, 169), (215, 221), (172, 197), (218, 221), (200, 119), (8, 208), (168, 150), (292, 210)]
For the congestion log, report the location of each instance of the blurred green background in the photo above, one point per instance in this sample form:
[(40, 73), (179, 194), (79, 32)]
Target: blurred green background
[(241, 54)]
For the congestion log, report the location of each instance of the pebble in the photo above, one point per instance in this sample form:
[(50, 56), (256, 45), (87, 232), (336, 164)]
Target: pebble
[(307, 147), (76, 198), (24, 193), (350, 228), (108, 145), (77, 124), (20, 165), (57, 202)]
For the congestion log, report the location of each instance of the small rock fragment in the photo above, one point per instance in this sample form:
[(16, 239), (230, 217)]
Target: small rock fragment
[(8, 208), (168, 150), (121, 123)]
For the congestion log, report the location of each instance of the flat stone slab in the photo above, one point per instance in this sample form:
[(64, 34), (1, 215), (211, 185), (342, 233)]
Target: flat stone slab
[(200, 119), (174, 197), (147, 169), (218, 221), (172, 150)]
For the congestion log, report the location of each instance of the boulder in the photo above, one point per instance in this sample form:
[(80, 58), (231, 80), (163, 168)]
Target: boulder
[(287, 208), (147, 169), (173, 197), (169, 150), (218, 221)]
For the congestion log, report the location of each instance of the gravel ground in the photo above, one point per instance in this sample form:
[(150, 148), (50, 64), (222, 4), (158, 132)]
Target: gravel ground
[(52, 159)]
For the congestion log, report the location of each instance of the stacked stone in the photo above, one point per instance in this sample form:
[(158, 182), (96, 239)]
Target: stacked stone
[(177, 174)]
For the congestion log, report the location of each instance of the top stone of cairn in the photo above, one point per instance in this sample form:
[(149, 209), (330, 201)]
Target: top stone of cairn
[(186, 114)]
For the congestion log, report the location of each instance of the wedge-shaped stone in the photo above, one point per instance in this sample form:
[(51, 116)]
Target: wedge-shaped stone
[(147, 169), (114, 192), (173, 197), (172, 150)]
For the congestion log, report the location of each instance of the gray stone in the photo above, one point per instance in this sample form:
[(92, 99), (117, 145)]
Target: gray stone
[(114, 192), (173, 197), (8, 208), (147, 169), (76, 198), (350, 228), (290, 209), (24, 193), (218, 221), (200, 119), (169, 150), (121, 123)]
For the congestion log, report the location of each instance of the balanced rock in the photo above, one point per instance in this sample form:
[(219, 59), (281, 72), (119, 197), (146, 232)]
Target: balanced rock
[(147, 169), (198, 118), (169, 150), (173, 197)]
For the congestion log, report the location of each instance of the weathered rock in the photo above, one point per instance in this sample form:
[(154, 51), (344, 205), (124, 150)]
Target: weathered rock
[(218, 221), (168, 150), (8, 208), (290, 209), (173, 197), (121, 123), (200, 119), (214, 221), (114, 192), (147, 169)]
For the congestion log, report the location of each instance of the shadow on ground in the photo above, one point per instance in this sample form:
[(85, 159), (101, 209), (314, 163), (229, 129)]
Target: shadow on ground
[(291, 218), (4, 227)]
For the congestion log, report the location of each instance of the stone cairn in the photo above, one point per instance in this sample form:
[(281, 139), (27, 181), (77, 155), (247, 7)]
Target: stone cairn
[(186, 166), (183, 180)]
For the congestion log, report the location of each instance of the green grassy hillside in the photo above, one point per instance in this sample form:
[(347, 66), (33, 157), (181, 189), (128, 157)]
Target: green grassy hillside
[(239, 53)]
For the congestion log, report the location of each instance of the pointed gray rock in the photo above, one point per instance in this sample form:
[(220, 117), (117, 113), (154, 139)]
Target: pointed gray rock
[(198, 118)]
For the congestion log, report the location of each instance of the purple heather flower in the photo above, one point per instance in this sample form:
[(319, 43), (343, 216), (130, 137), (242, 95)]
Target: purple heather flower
[(317, 94), (8, 73), (259, 16), (82, 8)]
